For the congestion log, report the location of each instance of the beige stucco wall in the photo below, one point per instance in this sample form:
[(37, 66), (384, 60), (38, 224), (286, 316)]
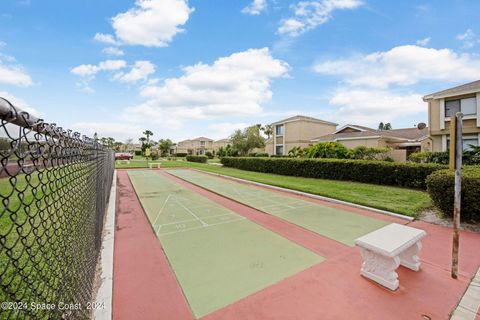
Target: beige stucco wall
[(372, 143), (398, 155), (269, 147)]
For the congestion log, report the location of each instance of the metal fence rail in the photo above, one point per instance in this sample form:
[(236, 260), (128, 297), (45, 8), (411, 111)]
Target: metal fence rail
[(54, 188)]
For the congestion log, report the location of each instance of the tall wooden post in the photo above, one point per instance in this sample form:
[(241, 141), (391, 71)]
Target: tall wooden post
[(457, 145)]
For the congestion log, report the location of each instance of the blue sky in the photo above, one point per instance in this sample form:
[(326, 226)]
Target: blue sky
[(189, 68)]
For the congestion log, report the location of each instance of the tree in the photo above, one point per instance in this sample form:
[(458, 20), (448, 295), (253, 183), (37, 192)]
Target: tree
[(148, 134), (384, 126), (164, 145), (268, 130), (247, 140)]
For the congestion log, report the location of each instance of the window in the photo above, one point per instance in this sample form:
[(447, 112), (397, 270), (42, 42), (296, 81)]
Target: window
[(467, 142), (202, 143), (279, 130), (279, 150), (467, 106)]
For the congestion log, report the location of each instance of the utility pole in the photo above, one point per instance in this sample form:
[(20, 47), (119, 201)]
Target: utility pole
[(456, 151)]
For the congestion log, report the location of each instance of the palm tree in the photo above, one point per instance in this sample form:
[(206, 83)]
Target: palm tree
[(148, 133), (268, 130)]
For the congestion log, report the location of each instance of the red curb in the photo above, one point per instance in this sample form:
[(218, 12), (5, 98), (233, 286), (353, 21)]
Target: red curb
[(144, 286)]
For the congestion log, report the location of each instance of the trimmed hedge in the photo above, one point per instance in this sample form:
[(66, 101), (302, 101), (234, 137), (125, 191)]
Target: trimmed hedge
[(440, 186), (201, 159), (181, 154), (376, 172)]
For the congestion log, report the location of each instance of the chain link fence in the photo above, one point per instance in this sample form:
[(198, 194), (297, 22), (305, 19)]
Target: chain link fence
[(54, 189)]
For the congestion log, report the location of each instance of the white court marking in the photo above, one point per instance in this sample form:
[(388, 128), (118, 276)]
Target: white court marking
[(200, 227)]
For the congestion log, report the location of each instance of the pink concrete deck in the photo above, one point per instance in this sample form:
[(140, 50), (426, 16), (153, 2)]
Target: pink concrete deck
[(146, 288)]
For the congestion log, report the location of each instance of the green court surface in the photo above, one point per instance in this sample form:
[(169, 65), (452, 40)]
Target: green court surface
[(217, 255), (340, 225)]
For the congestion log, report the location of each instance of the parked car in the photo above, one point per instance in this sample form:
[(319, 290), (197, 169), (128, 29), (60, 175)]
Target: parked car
[(123, 156)]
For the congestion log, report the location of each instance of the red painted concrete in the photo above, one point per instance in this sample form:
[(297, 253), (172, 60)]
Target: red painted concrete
[(144, 286), (332, 289)]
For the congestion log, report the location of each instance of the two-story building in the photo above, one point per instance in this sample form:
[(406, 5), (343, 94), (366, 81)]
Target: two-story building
[(197, 146), (297, 131), (444, 104)]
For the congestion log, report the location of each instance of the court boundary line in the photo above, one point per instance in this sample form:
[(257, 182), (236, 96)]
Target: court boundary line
[(204, 224), (309, 195)]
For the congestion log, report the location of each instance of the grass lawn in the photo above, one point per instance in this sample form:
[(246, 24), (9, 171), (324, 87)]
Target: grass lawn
[(405, 201)]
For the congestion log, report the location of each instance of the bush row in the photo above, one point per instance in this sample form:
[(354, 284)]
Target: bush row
[(377, 172), (440, 186), (201, 159)]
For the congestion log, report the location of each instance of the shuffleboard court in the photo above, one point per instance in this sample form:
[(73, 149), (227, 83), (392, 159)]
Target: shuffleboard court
[(340, 225), (217, 255)]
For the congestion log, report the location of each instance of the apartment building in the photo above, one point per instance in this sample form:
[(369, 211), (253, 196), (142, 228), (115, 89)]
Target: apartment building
[(297, 131), (222, 143), (444, 104), (197, 146)]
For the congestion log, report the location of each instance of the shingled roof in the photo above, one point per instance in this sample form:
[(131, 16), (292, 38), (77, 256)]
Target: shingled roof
[(467, 88), (405, 134)]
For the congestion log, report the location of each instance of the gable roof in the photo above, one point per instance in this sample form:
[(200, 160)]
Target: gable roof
[(466, 88), (202, 139), (223, 140), (402, 134), (304, 118), (354, 127)]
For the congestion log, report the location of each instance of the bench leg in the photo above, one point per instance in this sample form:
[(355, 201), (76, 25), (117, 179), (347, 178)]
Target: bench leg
[(380, 269), (409, 258)]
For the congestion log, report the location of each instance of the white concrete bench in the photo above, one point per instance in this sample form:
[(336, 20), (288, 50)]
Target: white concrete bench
[(150, 165), (385, 249)]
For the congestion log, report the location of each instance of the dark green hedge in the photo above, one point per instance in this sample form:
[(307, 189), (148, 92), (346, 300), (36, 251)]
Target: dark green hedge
[(201, 159), (440, 186), (377, 172)]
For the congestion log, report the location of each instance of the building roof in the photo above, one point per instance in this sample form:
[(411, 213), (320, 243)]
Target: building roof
[(304, 118), (202, 139), (467, 88), (402, 134), (354, 127), (223, 140)]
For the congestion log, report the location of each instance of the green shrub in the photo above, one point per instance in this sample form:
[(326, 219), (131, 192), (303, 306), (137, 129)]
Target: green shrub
[(154, 155), (181, 154), (334, 150), (366, 153), (297, 152), (440, 186), (377, 172), (209, 155), (262, 155), (201, 159), (420, 157), (252, 154), (138, 152)]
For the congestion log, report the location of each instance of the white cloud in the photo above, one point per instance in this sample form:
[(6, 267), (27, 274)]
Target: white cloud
[(87, 72), (20, 103), (469, 39), (255, 7), (139, 71), (403, 65), (225, 129), (363, 106), (310, 14), (105, 38), (12, 74), (113, 51), (423, 42), (90, 70), (151, 23), (236, 85)]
